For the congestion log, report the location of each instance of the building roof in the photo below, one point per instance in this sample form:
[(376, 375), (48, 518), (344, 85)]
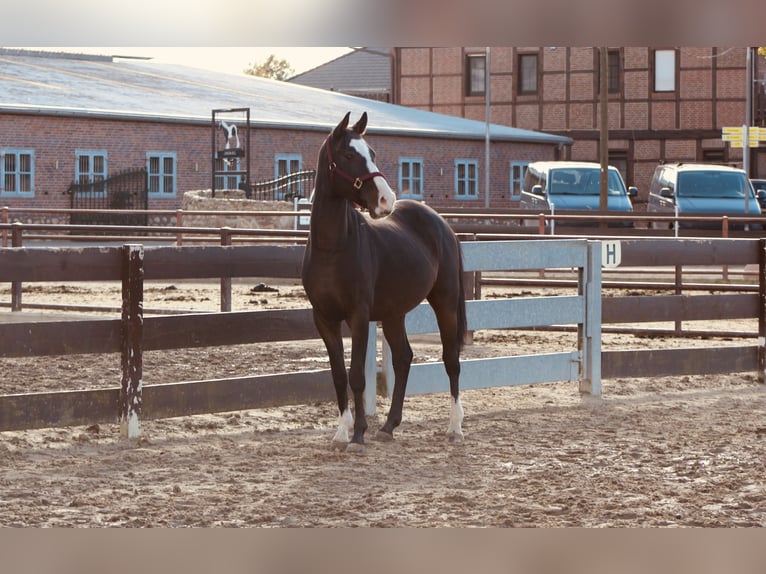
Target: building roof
[(364, 70), (130, 88)]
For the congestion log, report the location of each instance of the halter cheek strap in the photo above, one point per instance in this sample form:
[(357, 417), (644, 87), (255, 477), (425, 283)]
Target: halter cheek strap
[(357, 182)]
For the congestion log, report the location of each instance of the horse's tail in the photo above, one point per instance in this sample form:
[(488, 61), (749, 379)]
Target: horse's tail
[(462, 322)]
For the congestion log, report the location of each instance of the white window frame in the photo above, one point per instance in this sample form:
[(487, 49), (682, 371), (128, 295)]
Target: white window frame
[(516, 173), (17, 173), (664, 70), (467, 181), (91, 175), (162, 176), (405, 183)]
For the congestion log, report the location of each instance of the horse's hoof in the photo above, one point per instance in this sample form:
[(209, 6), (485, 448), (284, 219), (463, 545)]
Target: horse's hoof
[(384, 436), (455, 437), (338, 446), (356, 448)]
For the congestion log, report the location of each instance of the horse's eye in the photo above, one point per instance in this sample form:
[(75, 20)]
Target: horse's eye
[(349, 155)]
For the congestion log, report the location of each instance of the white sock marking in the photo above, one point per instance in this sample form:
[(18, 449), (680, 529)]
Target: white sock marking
[(345, 423)]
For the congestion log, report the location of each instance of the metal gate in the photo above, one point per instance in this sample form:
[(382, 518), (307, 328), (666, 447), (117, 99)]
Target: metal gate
[(125, 190)]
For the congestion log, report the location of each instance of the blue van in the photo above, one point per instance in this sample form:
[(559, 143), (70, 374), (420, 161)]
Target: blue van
[(572, 185), (702, 189)]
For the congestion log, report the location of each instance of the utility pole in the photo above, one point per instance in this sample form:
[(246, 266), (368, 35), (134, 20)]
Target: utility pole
[(487, 123), (603, 203)]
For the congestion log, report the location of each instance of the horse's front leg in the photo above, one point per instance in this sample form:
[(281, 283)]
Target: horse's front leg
[(331, 335), (359, 337)]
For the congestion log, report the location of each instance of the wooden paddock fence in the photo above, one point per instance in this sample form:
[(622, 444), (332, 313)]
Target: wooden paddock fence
[(134, 333)]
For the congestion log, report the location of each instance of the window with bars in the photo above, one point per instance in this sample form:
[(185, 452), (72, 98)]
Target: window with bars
[(476, 70), (90, 167), (466, 179), (411, 177), (161, 173), (17, 171), (227, 181)]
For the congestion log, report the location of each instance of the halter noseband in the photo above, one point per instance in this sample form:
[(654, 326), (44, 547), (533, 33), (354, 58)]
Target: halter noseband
[(356, 182)]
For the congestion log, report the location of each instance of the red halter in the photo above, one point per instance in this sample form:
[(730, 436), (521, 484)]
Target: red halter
[(356, 182)]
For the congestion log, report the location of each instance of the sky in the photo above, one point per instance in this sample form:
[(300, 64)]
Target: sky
[(230, 59)]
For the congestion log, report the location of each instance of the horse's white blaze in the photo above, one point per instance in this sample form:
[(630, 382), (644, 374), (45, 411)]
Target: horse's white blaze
[(455, 417), (386, 195), (345, 424)]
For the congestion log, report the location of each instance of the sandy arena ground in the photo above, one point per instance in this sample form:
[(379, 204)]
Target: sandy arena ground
[(663, 452)]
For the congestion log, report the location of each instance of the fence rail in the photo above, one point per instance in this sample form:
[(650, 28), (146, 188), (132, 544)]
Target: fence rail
[(133, 333)]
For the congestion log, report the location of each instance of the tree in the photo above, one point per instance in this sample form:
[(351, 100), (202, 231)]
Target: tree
[(271, 68)]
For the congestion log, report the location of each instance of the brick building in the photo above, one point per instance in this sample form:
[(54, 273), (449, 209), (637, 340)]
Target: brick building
[(70, 117), (664, 104)]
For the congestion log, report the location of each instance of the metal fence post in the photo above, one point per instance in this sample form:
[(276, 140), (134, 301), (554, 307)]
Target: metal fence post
[(371, 370), (16, 288), (132, 344), (589, 333)]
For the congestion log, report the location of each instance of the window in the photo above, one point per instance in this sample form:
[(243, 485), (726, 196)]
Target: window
[(411, 177), (466, 179), (90, 167), (285, 164), (664, 70), (17, 171), (161, 171), (476, 69), (227, 181), (613, 71), (527, 73), (517, 176)]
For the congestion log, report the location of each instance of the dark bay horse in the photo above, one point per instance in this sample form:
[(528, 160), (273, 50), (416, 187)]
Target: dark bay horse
[(358, 269)]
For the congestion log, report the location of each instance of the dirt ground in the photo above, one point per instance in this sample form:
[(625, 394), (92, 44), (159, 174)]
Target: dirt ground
[(661, 452)]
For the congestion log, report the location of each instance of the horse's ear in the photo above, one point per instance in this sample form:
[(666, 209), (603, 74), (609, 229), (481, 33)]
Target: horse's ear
[(340, 129), (361, 125)]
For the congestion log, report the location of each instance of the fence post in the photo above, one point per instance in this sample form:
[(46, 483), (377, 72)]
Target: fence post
[(371, 370), (4, 219), (225, 281), (589, 332), (725, 235), (16, 241), (762, 311), (179, 223), (132, 340)]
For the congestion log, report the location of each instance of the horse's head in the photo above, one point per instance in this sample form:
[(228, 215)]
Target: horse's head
[(353, 173)]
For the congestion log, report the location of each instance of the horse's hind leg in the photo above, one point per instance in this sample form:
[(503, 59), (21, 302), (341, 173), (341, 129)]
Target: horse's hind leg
[(401, 357), (447, 319)]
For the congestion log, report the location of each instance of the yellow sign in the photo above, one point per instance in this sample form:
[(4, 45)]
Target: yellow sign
[(735, 136)]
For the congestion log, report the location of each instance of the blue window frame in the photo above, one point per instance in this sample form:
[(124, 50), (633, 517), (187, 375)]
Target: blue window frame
[(161, 173), (518, 169), (285, 164), (227, 181), (411, 177), (466, 179), (17, 173), (90, 167)]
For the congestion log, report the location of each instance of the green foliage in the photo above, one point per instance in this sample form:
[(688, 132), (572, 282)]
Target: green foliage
[(271, 68)]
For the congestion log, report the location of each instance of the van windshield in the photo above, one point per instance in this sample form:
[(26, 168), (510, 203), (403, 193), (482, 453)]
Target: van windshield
[(711, 184), (583, 181)]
